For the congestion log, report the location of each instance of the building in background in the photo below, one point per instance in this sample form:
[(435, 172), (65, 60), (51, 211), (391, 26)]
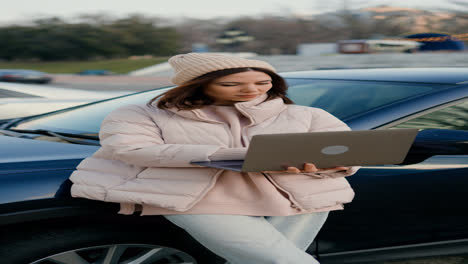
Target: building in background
[(313, 49)]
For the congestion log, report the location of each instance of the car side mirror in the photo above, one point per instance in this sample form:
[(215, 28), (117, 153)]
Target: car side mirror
[(431, 142)]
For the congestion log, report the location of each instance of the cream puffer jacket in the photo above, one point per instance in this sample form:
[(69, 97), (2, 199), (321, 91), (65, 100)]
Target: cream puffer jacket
[(146, 152)]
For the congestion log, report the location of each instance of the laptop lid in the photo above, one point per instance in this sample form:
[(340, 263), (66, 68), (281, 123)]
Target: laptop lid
[(275, 152)]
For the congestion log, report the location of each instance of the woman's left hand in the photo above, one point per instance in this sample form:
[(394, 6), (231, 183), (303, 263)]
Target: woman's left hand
[(309, 168)]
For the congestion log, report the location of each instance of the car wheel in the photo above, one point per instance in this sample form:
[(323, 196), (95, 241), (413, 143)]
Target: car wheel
[(120, 253), (68, 242)]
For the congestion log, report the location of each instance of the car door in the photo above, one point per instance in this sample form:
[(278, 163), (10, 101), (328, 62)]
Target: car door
[(400, 206)]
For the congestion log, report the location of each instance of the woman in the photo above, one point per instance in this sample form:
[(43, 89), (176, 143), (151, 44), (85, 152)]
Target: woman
[(219, 103)]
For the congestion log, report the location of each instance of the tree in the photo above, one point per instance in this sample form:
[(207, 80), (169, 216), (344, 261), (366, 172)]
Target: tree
[(198, 31), (55, 39), (458, 23), (139, 36)]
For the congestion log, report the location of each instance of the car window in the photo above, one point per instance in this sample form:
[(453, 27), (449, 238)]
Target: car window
[(12, 94), (451, 117), (347, 98)]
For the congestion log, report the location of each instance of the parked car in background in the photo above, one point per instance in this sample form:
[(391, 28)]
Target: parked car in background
[(19, 100), (377, 46), (414, 209), (96, 72), (24, 76)]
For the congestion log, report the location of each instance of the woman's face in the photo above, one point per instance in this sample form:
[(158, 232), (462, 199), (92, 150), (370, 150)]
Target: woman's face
[(238, 87)]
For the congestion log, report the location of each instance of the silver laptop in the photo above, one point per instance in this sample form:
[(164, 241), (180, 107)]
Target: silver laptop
[(276, 152)]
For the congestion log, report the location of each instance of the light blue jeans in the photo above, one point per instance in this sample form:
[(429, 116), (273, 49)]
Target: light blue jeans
[(244, 239)]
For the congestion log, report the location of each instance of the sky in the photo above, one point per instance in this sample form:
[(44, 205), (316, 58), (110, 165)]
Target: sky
[(26, 10)]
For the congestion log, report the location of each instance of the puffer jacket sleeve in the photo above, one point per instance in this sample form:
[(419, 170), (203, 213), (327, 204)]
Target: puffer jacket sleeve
[(323, 121), (132, 136)]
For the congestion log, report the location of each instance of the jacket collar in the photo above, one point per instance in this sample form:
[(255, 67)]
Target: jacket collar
[(257, 110)]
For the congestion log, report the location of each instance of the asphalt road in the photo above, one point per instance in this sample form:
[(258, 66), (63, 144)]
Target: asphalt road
[(282, 63), (109, 83)]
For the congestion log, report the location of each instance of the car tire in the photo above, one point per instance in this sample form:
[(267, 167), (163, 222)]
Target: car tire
[(50, 241)]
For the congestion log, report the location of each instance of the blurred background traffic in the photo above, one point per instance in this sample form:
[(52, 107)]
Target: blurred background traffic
[(108, 39)]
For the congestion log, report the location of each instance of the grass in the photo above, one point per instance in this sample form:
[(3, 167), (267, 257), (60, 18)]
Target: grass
[(121, 66)]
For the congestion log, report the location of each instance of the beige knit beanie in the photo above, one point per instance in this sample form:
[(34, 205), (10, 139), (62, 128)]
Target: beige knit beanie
[(192, 65)]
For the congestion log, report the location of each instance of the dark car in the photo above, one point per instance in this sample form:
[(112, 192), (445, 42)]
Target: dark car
[(96, 72), (414, 209), (24, 76)]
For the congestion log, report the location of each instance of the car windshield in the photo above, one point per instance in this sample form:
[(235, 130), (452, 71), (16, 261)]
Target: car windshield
[(343, 99)]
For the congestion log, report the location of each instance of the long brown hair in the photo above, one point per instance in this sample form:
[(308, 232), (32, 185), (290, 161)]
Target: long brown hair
[(190, 95)]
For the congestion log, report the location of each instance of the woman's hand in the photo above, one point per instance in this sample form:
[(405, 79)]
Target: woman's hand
[(310, 168)]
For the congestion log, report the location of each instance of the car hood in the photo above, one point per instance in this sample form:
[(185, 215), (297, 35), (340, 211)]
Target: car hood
[(52, 92), (26, 150)]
